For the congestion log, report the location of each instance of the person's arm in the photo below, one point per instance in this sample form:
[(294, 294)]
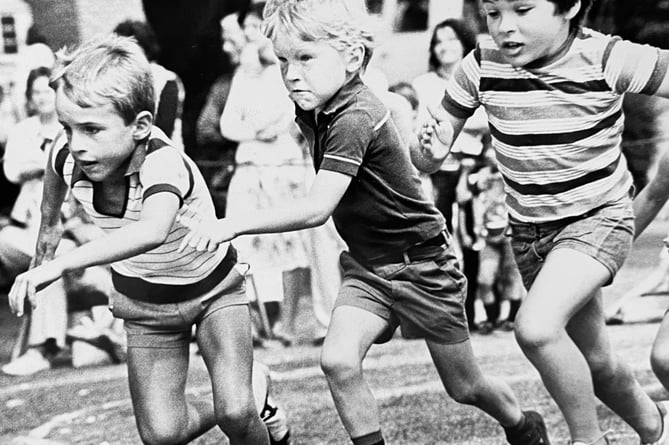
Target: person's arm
[(311, 211), (151, 230), (232, 123), (50, 230), (435, 140), (653, 197)]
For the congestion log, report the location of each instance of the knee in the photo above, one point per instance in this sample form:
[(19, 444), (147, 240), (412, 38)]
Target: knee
[(465, 392), (533, 334), (659, 361), (338, 366), (161, 433), (236, 421)]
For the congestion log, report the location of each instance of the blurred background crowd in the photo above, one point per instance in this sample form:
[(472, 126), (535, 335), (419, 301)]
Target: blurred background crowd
[(221, 99)]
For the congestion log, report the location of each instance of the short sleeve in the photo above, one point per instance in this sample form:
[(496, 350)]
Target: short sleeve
[(348, 139), (461, 97), (59, 153), (634, 68), (165, 171)]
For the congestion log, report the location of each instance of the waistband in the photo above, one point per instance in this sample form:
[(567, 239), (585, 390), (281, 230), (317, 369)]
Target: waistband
[(157, 293), (416, 252), (542, 228)]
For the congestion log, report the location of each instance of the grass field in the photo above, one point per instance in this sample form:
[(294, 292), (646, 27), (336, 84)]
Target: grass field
[(92, 406)]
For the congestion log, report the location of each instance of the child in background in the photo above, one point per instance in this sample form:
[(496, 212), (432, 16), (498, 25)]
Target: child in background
[(553, 92), (399, 268), (133, 183), (498, 278)]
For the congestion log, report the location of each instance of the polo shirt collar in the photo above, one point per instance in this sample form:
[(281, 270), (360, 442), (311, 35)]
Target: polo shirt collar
[(344, 95), (137, 158), (336, 102)]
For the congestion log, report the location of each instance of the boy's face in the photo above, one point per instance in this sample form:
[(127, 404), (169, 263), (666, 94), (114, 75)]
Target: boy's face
[(99, 139), (527, 30), (313, 72)]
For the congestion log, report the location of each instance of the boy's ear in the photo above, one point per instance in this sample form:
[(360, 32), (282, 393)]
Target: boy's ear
[(354, 59), (143, 124), (576, 7)]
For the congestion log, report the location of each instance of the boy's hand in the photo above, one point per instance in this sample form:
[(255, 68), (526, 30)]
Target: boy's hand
[(28, 283), (206, 235), (436, 135)]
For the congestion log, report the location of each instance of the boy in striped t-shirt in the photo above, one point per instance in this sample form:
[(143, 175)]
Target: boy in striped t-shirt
[(134, 185), (553, 92)]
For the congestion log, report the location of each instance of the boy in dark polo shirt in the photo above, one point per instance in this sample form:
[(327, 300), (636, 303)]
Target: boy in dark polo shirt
[(400, 269)]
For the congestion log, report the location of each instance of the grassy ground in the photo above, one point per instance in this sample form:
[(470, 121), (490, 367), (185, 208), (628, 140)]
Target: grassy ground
[(92, 406)]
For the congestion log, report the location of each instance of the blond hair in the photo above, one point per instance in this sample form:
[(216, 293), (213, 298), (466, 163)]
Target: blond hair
[(106, 69), (343, 23)]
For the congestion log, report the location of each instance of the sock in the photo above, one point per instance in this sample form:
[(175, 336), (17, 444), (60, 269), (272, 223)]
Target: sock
[(514, 305), (375, 438), (518, 427), (492, 312)]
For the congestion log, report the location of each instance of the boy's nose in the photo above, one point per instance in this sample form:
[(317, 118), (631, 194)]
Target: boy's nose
[(507, 22)]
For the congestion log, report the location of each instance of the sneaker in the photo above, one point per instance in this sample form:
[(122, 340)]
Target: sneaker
[(663, 407), (507, 325), (486, 328), (276, 422), (532, 432), (29, 363)]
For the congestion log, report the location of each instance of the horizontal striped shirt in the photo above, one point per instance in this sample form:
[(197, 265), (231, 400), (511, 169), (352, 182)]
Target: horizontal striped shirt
[(155, 167), (557, 128)]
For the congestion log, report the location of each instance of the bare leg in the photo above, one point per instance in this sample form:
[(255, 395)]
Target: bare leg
[(565, 284), (224, 338), (157, 378), (352, 332), (465, 383), (613, 381)]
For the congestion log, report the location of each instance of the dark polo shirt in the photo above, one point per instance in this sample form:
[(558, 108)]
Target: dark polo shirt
[(385, 209)]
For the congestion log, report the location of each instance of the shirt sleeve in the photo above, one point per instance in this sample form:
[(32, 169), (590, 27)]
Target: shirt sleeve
[(347, 141), (166, 171), (22, 152), (461, 97), (634, 68)]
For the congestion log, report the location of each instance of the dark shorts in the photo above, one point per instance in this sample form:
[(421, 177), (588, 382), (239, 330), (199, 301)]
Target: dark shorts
[(169, 325), (424, 296), (605, 234)]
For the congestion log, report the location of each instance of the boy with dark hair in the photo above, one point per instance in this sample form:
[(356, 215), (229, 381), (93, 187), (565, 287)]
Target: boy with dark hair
[(553, 93)]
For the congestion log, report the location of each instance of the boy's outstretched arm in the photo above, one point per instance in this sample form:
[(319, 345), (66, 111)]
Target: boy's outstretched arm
[(311, 211), (155, 221), (435, 139), (50, 230), (653, 197)]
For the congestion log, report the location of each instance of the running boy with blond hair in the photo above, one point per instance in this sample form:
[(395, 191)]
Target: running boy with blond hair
[(553, 92), (133, 183), (400, 269)]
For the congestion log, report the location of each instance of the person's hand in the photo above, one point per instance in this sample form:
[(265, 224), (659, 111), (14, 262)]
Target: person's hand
[(268, 134), (436, 135), (205, 235), (28, 283)]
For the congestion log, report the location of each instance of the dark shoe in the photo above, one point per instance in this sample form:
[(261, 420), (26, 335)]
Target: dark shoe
[(276, 423), (532, 431), (486, 328), (507, 325)]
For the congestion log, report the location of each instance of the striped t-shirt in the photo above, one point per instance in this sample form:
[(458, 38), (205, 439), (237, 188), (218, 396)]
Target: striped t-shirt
[(161, 274), (557, 128)]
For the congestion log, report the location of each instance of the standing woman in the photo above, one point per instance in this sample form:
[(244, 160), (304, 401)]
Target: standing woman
[(451, 40), (271, 164)]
